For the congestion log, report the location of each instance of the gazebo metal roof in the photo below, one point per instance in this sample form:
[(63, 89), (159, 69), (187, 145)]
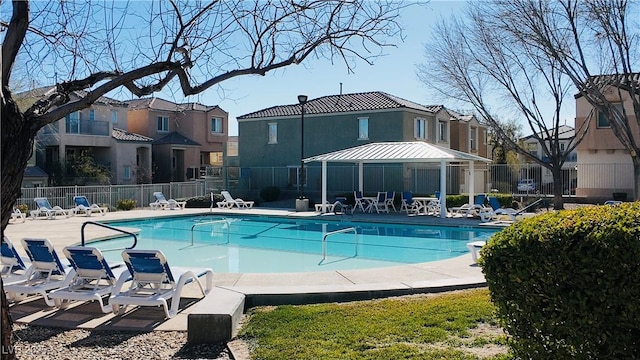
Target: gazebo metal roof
[(385, 152)]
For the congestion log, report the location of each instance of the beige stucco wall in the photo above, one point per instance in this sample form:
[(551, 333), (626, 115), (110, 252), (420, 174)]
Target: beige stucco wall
[(604, 166), (125, 154), (602, 138)]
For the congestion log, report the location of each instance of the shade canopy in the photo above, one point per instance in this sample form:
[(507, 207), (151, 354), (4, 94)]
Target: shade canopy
[(394, 152), (400, 152)]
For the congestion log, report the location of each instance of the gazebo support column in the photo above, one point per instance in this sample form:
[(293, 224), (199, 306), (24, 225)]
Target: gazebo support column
[(471, 182), (443, 189), (324, 187), (361, 177)]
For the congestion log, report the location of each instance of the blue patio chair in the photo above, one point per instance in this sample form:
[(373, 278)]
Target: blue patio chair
[(83, 206), (469, 210), (391, 196), (13, 266), (45, 274), (408, 204), (44, 209), (154, 282), (93, 278)]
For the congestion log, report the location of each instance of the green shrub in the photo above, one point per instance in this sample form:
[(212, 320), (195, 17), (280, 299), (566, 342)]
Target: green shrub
[(23, 208), (203, 201), (126, 204), (458, 200), (270, 193), (566, 284)]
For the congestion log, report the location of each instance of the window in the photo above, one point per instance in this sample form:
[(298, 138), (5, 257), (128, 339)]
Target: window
[(363, 128), (73, 123), (92, 115), (273, 133), (114, 117), (216, 125), (442, 131), (163, 123), (295, 178), (603, 120), (420, 129), (473, 139), (127, 172), (562, 147)]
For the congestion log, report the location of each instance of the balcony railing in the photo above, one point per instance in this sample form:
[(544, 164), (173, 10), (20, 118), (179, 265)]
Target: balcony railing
[(87, 127)]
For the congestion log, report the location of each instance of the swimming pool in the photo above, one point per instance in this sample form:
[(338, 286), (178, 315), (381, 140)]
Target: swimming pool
[(264, 244)]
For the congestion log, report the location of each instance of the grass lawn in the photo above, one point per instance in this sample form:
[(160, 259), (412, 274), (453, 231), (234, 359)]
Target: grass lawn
[(454, 325)]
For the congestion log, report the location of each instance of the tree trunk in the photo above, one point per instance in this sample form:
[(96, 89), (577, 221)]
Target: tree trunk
[(636, 177), (558, 200), (17, 145), (7, 334)]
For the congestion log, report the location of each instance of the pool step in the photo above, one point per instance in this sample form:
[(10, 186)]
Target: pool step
[(216, 317)]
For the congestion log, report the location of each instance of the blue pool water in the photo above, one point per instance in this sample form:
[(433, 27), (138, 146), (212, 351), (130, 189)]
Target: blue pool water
[(260, 244)]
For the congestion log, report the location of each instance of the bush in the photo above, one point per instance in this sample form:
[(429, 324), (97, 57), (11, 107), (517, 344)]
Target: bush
[(566, 284), (126, 204), (23, 208), (270, 193), (203, 201), (458, 200)]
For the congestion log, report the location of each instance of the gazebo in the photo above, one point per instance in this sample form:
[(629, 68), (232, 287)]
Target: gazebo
[(399, 152)]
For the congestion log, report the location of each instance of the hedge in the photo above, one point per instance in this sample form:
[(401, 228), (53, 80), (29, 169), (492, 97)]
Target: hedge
[(567, 284)]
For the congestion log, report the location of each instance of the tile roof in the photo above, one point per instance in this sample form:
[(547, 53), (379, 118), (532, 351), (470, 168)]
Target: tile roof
[(175, 138), (166, 105), (458, 116), (34, 171), (47, 90), (344, 103), (123, 135), (628, 82), (565, 132)]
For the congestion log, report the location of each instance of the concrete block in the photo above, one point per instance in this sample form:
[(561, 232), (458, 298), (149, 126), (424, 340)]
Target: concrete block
[(216, 317)]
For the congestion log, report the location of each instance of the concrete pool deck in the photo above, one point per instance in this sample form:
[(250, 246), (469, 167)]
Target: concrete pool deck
[(234, 293)]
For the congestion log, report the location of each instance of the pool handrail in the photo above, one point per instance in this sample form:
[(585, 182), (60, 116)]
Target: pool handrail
[(82, 239), (324, 240), (226, 221)]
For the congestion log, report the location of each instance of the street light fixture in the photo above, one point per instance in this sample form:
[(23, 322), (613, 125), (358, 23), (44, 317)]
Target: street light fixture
[(302, 99)]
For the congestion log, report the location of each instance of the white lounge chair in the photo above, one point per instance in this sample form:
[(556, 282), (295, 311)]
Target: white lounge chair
[(83, 206), (44, 209), (46, 272), (327, 207), (162, 203), (154, 282), (470, 210), (497, 212), (475, 247), (93, 278), (12, 266), (230, 202), (16, 214)]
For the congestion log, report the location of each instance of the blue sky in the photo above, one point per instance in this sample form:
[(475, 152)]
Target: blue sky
[(394, 73)]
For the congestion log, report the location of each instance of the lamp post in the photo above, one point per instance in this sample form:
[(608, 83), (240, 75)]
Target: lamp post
[(302, 99)]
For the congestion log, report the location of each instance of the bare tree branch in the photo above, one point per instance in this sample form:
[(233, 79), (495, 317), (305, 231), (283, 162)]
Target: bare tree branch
[(475, 59)]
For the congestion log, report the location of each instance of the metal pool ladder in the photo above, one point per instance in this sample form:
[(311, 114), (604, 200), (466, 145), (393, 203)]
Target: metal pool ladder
[(324, 241), (211, 223), (132, 234)]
